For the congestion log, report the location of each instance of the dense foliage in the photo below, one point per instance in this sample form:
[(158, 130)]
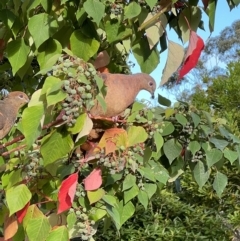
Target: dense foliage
[(58, 179)]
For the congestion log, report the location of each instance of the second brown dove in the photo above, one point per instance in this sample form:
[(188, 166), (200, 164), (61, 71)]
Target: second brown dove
[(9, 108), (122, 91)]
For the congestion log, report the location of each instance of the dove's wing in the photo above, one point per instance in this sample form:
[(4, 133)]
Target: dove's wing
[(2, 118)]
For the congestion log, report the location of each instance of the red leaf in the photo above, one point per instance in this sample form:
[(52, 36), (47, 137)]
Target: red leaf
[(94, 180), (21, 213), (179, 4), (196, 45), (67, 192), (205, 4), (10, 227)]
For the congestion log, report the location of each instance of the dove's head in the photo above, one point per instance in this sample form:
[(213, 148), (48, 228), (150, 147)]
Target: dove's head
[(18, 98), (148, 83)]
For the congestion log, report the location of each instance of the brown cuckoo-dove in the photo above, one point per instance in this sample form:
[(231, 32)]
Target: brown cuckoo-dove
[(121, 92), (9, 108)]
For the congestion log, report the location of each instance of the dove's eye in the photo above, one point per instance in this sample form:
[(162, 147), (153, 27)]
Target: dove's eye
[(151, 83), (20, 96)]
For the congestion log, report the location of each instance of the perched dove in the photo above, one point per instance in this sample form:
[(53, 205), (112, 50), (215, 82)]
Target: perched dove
[(121, 92), (9, 107)]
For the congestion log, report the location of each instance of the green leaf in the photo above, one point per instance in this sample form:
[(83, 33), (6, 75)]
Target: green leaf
[(82, 46), (132, 10), (95, 9), (64, 171), (23, 197), (128, 182), (168, 128), (189, 16), (47, 5), (151, 3), (26, 68), (100, 84), (220, 182), (147, 173), (147, 154), (38, 229), (55, 97), (30, 5), (111, 179), (136, 134), (111, 200), (147, 58), (150, 189), (230, 155), (95, 196), (164, 101), (158, 140), (236, 2), (213, 156), (131, 193), (79, 124), (98, 213), (31, 123), (9, 179), (59, 233), (17, 52), (143, 198), (7, 17), (201, 176), (224, 132), (56, 145), (102, 102), (220, 144), (181, 119), (137, 106), (162, 175), (126, 211), (211, 14), (196, 119), (115, 215), (194, 146), (235, 139), (51, 83), (120, 214), (169, 112), (116, 31), (172, 149), (42, 26), (48, 54)]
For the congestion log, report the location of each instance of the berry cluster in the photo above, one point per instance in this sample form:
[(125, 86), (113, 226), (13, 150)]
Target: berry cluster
[(156, 9), (114, 163), (152, 128), (123, 159), (34, 167), (143, 3), (76, 158), (116, 9), (198, 156), (86, 228), (79, 82), (80, 191), (188, 129), (32, 163)]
